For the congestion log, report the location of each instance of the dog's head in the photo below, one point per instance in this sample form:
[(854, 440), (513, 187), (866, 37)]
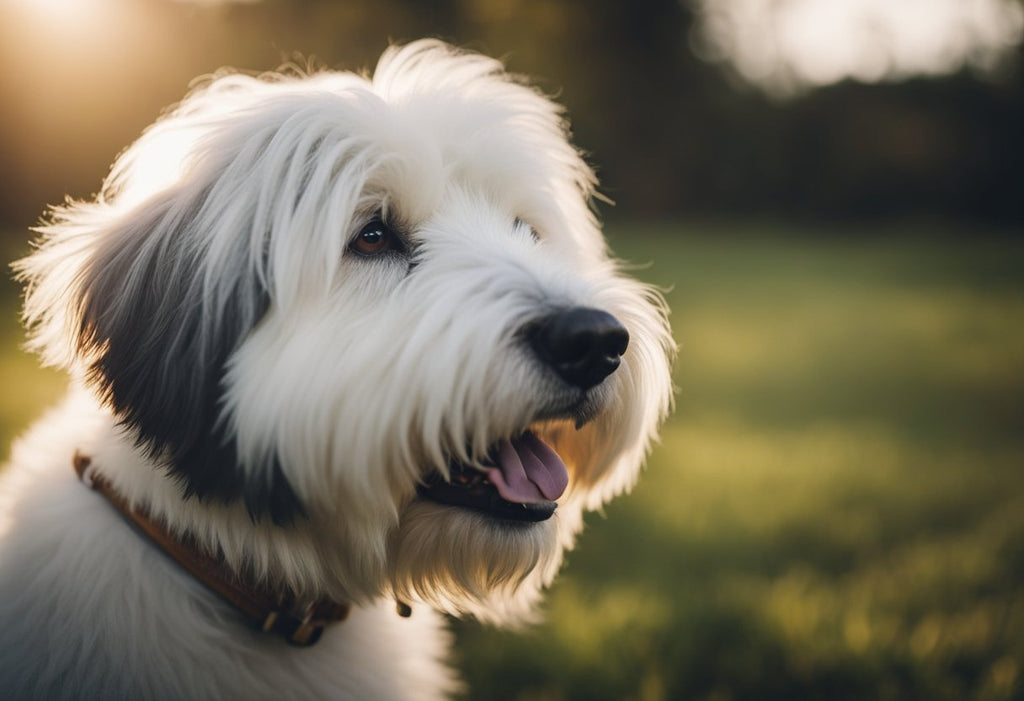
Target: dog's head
[(378, 310)]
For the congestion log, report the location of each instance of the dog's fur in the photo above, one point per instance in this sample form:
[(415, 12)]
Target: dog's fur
[(246, 378)]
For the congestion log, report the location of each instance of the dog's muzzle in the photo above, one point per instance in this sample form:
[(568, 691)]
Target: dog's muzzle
[(524, 476)]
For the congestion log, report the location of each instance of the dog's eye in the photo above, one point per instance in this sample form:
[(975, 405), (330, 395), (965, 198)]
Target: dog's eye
[(375, 238)]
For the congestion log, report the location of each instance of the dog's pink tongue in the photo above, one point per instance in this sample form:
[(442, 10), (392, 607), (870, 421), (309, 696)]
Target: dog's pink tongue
[(528, 471)]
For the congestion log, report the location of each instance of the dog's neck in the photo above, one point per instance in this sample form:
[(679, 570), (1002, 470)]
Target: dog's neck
[(301, 623)]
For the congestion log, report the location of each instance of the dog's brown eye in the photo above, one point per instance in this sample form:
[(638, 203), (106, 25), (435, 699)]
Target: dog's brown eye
[(374, 238)]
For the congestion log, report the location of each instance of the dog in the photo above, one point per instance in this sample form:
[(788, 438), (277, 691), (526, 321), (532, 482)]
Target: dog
[(343, 349)]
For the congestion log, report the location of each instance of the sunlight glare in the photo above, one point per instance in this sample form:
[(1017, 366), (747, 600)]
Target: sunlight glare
[(63, 17), (60, 8), (785, 46)]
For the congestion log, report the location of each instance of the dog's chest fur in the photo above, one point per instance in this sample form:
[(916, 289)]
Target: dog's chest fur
[(132, 624)]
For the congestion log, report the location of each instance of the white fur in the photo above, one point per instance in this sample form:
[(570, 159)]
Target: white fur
[(358, 377)]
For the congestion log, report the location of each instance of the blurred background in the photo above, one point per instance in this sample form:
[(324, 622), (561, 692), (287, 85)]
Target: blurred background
[(831, 193)]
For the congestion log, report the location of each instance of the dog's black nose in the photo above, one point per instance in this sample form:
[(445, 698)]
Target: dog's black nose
[(582, 345)]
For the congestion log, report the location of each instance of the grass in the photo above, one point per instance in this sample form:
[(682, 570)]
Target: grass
[(836, 509)]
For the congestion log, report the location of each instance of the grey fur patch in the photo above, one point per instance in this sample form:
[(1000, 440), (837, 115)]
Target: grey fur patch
[(160, 351)]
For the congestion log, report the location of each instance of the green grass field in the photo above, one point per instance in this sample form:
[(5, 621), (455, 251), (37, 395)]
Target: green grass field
[(836, 510)]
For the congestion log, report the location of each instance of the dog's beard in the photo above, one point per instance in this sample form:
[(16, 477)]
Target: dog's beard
[(478, 562), (463, 562)]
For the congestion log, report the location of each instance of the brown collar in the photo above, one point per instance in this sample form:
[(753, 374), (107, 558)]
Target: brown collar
[(299, 624)]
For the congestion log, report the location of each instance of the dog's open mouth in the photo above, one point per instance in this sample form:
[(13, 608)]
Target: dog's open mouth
[(520, 483)]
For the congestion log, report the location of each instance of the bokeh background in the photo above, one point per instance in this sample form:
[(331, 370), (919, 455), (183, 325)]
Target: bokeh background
[(832, 194)]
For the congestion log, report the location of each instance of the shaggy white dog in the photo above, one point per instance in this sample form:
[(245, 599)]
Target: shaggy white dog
[(349, 340)]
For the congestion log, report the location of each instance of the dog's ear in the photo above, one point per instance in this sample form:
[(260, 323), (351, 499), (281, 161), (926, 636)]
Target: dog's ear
[(152, 329)]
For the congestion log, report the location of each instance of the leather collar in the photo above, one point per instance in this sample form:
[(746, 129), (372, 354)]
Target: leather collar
[(299, 623)]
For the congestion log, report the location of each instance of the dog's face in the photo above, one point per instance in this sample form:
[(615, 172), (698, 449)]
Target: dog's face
[(379, 311)]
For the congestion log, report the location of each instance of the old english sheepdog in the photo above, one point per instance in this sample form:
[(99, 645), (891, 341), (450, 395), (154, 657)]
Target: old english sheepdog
[(344, 349)]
